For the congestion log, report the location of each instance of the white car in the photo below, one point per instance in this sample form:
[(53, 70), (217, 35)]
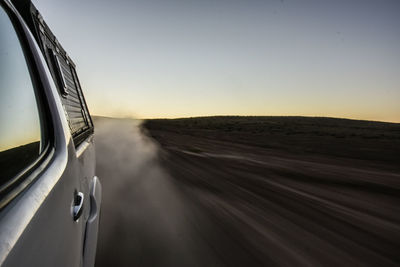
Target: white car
[(49, 194)]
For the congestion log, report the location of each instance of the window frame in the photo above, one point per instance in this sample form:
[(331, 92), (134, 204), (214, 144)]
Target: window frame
[(17, 184), (54, 53)]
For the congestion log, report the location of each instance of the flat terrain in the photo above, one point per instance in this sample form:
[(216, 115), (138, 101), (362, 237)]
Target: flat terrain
[(248, 191), (288, 191)]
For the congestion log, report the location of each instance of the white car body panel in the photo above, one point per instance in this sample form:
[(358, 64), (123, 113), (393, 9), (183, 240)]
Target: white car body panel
[(37, 226)]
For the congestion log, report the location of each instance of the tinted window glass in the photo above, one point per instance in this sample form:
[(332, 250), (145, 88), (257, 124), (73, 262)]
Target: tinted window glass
[(19, 116), (63, 71)]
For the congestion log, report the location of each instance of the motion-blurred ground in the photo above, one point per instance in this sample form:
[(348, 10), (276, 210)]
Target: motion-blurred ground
[(249, 191)]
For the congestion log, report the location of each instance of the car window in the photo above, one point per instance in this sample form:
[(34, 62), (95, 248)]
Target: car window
[(70, 92), (20, 133), (64, 74)]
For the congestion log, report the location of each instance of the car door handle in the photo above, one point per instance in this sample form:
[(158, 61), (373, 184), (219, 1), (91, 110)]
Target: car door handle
[(78, 206)]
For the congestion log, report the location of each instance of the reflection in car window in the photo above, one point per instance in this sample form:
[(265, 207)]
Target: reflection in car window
[(19, 116)]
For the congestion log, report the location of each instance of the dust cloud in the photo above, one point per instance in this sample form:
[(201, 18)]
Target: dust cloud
[(145, 220), (178, 199)]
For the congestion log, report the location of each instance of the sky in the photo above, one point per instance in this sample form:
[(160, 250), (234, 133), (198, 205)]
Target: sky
[(176, 58)]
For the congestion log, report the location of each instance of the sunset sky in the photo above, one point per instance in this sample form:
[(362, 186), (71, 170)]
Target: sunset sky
[(176, 58)]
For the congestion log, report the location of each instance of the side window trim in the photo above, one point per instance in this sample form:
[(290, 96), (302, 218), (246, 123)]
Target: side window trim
[(21, 180), (9, 190)]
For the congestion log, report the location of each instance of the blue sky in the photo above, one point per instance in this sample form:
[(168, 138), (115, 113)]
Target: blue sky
[(180, 58)]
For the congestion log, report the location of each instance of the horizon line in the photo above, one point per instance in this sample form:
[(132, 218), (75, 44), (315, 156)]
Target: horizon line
[(210, 116)]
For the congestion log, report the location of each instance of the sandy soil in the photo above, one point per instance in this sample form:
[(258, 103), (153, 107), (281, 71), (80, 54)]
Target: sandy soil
[(184, 199), (291, 208)]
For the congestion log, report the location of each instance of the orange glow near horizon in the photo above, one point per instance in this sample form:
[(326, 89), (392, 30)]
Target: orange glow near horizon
[(374, 107)]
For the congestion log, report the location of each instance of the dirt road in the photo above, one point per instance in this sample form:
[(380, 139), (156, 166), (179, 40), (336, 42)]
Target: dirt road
[(146, 220), (200, 202)]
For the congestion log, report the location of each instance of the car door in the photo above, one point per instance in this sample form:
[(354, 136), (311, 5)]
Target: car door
[(43, 179)]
